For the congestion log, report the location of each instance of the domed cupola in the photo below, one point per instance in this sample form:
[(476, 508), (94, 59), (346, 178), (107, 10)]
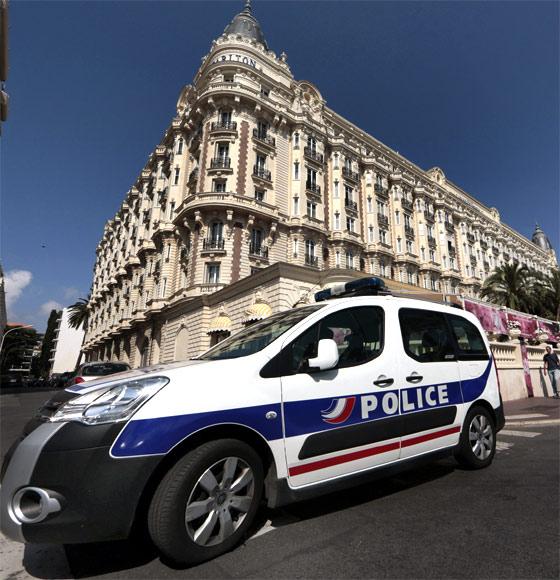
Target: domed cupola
[(540, 239), (246, 25)]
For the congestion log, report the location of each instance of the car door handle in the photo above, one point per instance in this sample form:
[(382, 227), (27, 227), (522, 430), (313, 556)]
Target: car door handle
[(383, 382), (414, 378)]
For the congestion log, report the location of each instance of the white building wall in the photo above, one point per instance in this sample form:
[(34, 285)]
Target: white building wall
[(68, 346)]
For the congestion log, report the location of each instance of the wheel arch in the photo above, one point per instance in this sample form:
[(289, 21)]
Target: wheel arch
[(212, 433), (485, 405)]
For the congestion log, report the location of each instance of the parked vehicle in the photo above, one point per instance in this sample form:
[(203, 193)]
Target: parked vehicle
[(307, 401), (94, 370)]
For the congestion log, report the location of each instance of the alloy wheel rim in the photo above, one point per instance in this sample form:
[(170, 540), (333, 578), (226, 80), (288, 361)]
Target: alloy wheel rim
[(219, 501), (481, 437)]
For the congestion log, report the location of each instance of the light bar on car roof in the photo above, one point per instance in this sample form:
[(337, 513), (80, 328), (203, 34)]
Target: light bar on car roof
[(362, 287)]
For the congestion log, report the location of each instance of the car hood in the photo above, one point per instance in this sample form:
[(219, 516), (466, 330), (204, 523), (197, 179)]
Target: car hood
[(85, 387)]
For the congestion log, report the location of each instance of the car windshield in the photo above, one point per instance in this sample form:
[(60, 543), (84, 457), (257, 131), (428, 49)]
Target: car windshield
[(256, 337), (101, 370)]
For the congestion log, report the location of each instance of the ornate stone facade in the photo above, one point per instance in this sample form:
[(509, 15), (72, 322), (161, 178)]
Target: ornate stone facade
[(255, 171)]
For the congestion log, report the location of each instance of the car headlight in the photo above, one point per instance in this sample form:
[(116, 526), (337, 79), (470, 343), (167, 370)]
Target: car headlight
[(112, 402)]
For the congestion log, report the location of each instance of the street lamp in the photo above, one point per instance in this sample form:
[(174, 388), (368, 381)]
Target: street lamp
[(11, 330)]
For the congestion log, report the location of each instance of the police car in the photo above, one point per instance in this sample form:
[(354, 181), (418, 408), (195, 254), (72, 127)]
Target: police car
[(302, 403)]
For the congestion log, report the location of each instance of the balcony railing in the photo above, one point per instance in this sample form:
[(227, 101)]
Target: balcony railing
[(224, 126), (349, 174), (506, 256), (380, 190), (408, 231), (313, 188), (484, 245), (406, 204), (312, 154), (382, 220), (213, 244), (258, 250), (430, 217), (262, 173), (449, 227), (431, 241), (470, 238), (220, 163), (312, 261), (496, 251), (351, 205), (473, 261), (264, 138), (452, 251)]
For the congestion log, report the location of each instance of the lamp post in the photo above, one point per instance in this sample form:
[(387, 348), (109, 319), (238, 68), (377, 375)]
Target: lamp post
[(8, 332)]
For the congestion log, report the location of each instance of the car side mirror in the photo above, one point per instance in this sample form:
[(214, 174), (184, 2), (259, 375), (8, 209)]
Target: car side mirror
[(327, 356)]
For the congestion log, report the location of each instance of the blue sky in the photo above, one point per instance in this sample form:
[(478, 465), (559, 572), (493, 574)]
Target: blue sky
[(471, 87)]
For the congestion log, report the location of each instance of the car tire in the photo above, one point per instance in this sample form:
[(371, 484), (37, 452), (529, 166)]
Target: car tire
[(206, 502), (477, 444)]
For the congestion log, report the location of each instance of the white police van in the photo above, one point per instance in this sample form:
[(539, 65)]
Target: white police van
[(302, 403)]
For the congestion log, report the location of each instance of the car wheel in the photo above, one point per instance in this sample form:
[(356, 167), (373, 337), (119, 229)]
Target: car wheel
[(206, 502), (477, 444)]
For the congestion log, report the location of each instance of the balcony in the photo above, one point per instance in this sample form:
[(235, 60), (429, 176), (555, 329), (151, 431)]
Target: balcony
[(313, 188), (431, 242), (258, 250), (507, 257), (484, 245), (312, 261), (449, 227), (351, 175), (262, 173), (470, 238), (382, 220), (406, 204), (350, 205), (213, 245), (496, 252), (381, 191), (409, 231), (452, 251), (220, 163), (473, 261), (262, 137), (429, 216), (312, 154), (223, 127)]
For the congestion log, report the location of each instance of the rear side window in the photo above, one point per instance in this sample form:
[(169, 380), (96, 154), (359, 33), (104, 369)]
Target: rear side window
[(101, 370), (425, 334), (470, 344)]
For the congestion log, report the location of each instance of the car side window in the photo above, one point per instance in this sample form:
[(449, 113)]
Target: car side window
[(425, 334), (470, 344), (358, 333)]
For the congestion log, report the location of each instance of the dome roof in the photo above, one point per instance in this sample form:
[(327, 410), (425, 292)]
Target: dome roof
[(246, 25), (540, 239)]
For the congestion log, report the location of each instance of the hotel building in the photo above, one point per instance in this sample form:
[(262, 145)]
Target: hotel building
[(257, 196)]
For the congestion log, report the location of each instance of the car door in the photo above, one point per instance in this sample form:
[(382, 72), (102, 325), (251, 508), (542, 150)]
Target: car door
[(428, 377), (476, 371), (334, 422)]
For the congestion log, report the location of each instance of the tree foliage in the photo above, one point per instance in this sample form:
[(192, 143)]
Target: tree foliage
[(522, 288), (79, 313)]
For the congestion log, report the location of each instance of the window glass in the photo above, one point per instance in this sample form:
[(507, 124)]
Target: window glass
[(426, 335), (259, 335), (469, 341), (102, 369), (358, 333)]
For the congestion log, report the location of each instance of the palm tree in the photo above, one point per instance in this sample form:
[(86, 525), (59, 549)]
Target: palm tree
[(550, 292), (511, 285), (79, 313)]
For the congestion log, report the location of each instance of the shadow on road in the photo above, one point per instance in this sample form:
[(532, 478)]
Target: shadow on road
[(111, 557)]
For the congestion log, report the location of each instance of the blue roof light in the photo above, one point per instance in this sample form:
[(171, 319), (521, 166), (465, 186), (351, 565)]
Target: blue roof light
[(363, 286)]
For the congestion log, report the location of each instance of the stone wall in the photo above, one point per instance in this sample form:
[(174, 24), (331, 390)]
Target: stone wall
[(510, 370)]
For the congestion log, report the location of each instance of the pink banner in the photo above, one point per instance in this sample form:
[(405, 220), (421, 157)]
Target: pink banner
[(526, 369), (527, 324), (551, 328), (492, 318)]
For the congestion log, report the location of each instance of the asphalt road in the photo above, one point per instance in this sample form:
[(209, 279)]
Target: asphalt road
[(436, 522)]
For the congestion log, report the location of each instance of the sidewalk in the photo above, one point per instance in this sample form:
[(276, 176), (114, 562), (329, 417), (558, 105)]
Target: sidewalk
[(548, 407)]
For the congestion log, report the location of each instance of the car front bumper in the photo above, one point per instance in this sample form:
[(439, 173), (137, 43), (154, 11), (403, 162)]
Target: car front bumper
[(94, 496)]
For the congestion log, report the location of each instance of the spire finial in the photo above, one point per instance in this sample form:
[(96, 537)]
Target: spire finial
[(247, 6)]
